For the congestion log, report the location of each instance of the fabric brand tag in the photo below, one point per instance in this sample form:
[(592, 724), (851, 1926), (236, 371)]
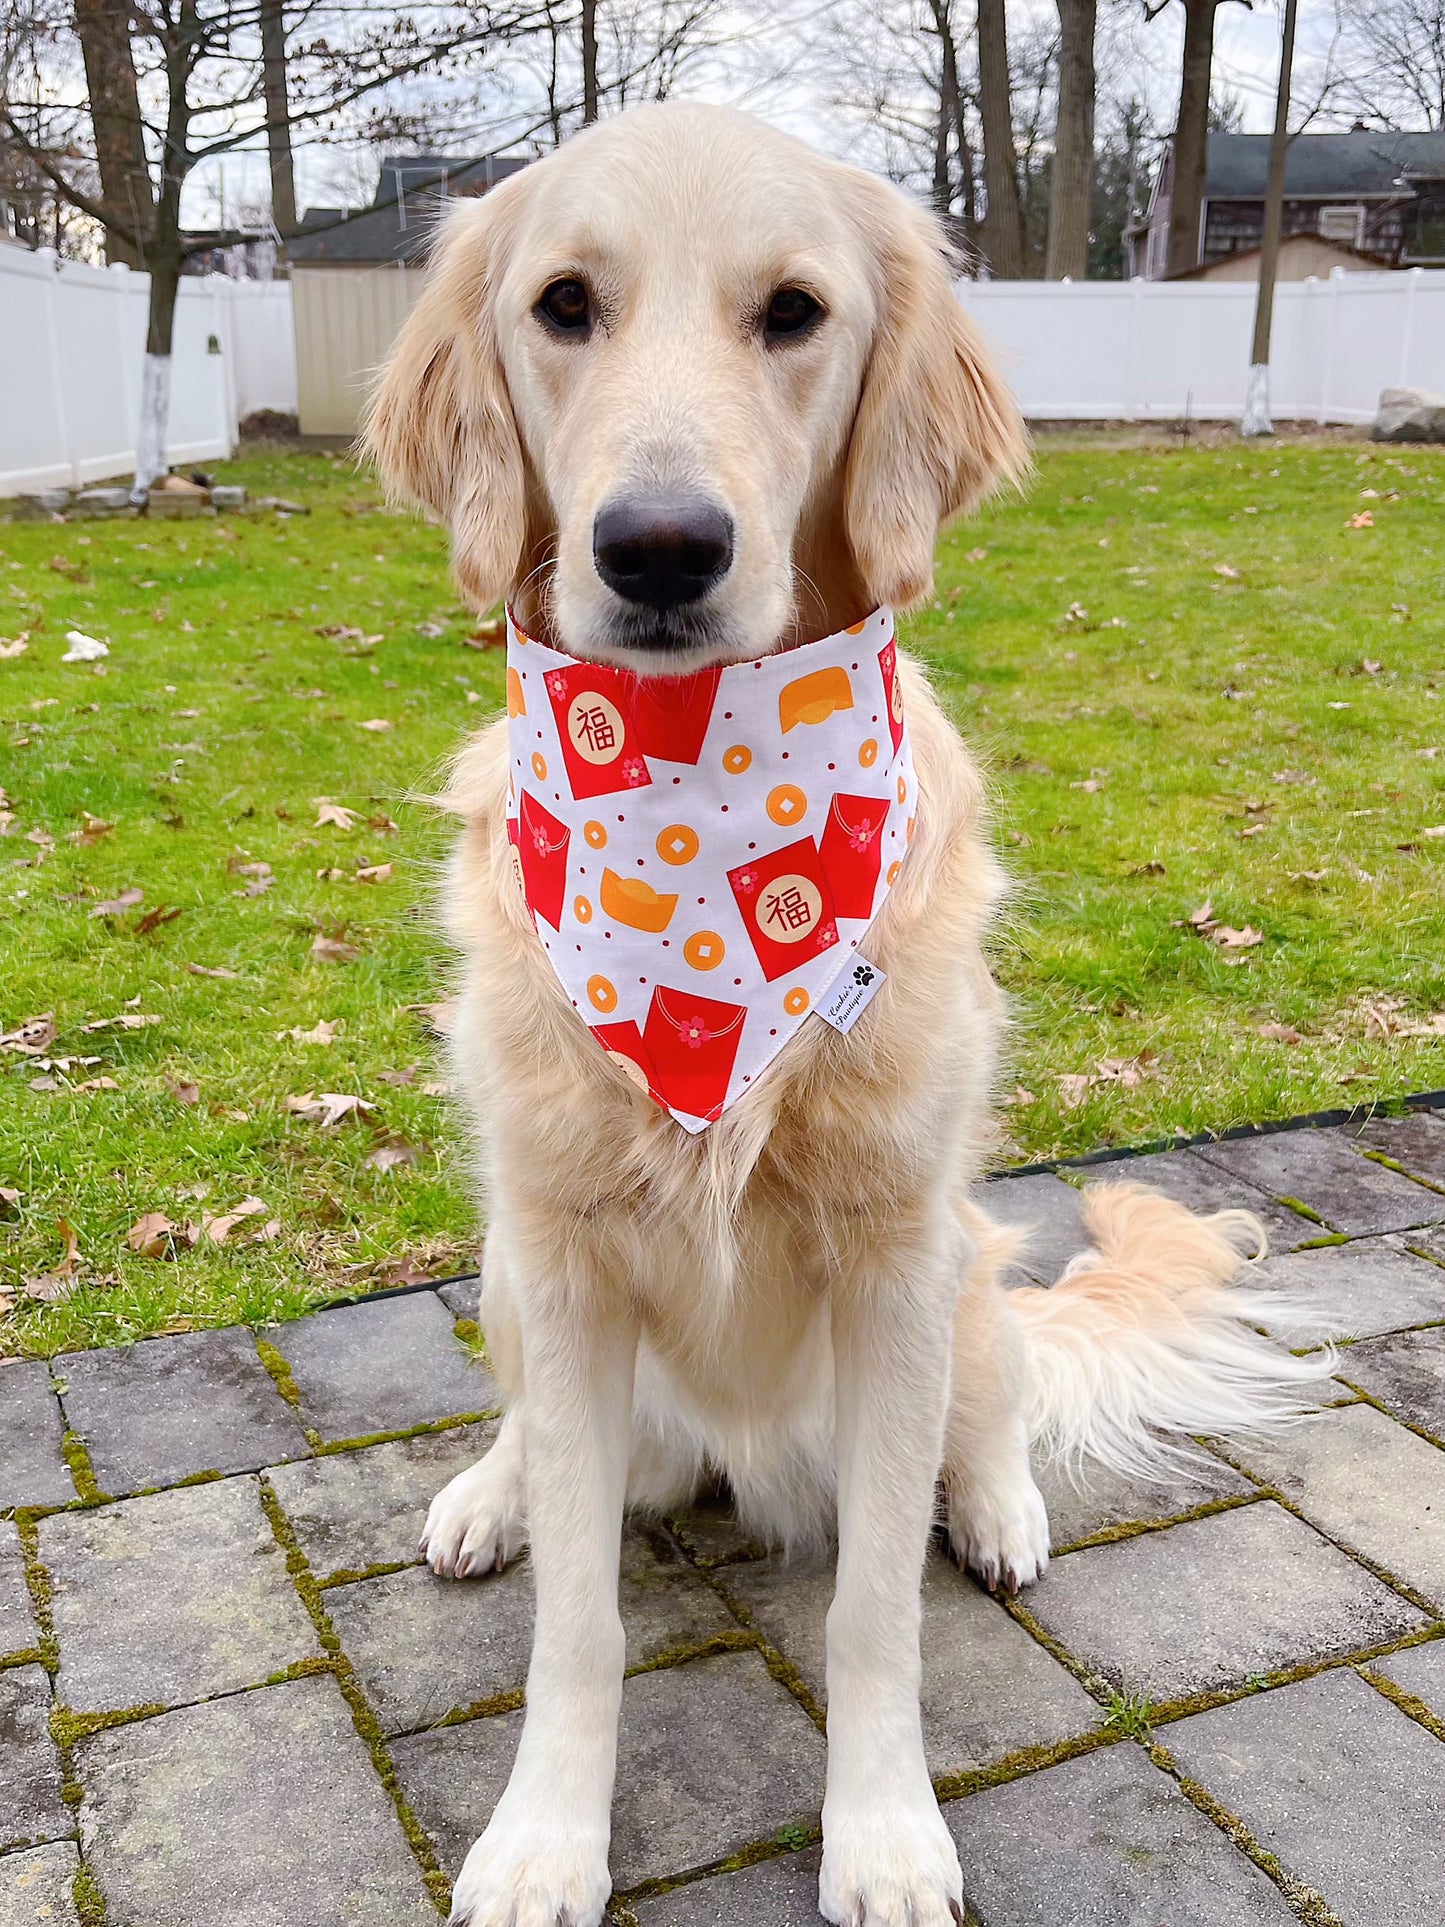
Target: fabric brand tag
[(852, 994)]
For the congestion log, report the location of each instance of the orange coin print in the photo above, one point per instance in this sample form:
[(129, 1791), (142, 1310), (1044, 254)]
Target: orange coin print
[(868, 752), (796, 1001), (893, 870), (677, 843), (737, 759), (582, 909), (787, 804), (595, 834), (704, 950), (539, 766), (902, 789), (601, 994)]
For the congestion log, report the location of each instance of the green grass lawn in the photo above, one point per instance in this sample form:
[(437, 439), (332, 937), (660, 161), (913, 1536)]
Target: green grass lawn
[(1193, 682)]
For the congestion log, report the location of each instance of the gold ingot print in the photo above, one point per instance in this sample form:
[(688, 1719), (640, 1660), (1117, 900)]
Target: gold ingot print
[(631, 901), (516, 700), (677, 843), (704, 950), (787, 805), (813, 699)]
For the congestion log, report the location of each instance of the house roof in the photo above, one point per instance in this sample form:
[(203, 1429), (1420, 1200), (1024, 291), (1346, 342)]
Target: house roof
[(410, 191), (1323, 166), (1316, 244)]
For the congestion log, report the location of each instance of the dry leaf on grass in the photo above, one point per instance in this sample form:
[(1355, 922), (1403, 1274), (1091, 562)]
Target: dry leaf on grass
[(334, 950), (1074, 1087), (374, 872), (323, 1032), (382, 825), (391, 1155), (399, 1078), (58, 1283), (92, 830), (153, 919), (127, 1020), (1231, 939), (1229, 574), (1153, 868), (32, 1038), (1281, 1033), (9, 1199), (152, 1236), (211, 970), (487, 635), (440, 1017), (117, 906), (378, 725), (327, 1108), (183, 1093), (217, 1229), (1364, 520), (98, 1084), (10, 647), (336, 814)]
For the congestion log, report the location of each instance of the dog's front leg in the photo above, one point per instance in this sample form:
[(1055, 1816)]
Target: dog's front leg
[(543, 1858), (888, 1860)]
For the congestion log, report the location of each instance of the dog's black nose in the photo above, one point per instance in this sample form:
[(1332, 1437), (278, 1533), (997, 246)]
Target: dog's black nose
[(662, 550)]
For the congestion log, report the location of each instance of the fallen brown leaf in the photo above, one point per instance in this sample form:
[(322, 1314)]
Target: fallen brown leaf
[(374, 872), (98, 1084), (334, 950), (328, 1108), (92, 830), (152, 1236), (116, 906), (211, 970), (1230, 939), (153, 919), (1074, 1089), (127, 1020), (184, 1093), (376, 724), (33, 1037), (323, 1032), (217, 1229), (1153, 868), (336, 814), (487, 635), (382, 825), (1281, 1033), (391, 1155)]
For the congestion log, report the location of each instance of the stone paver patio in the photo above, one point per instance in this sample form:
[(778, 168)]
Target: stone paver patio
[(231, 1697)]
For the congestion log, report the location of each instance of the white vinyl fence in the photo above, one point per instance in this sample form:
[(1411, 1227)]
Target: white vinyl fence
[(1152, 350), (71, 344)]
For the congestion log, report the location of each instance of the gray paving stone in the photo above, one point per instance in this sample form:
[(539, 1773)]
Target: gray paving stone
[(351, 1510), (1323, 1170), (382, 1367), (714, 1535), (422, 1646), (1419, 1670), (156, 1412), (1362, 1289), (1370, 1484), (1429, 1242), (1105, 1841), (1406, 1372), (988, 1688), (32, 1470), (18, 1630), (1201, 1606), (1348, 1792), (459, 1295), (1190, 1179), (775, 1893), (31, 1809), (1051, 1211), (171, 1597), (35, 1887), (1106, 1499), (1417, 1142), (262, 1810), (683, 1800)]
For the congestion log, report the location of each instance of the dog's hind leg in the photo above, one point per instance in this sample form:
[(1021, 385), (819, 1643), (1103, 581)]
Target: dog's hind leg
[(997, 1524), (478, 1521)]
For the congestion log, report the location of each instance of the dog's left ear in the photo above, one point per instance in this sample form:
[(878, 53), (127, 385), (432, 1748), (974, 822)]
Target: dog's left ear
[(936, 427)]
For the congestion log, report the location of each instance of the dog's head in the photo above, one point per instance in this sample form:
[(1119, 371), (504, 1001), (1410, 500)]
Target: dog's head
[(688, 390)]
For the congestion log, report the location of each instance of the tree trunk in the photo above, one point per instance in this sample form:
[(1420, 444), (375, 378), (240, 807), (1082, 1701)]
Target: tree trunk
[(278, 117), (1003, 228), (125, 183), (1071, 180), (1191, 137), (589, 62), (1256, 410)]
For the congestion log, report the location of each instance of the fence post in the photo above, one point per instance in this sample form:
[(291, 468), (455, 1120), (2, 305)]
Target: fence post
[(1136, 312), (1407, 336), (52, 355)]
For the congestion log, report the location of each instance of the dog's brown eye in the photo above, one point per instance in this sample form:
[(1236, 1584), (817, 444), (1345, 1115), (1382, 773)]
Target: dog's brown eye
[(567, 306), (790, 311)]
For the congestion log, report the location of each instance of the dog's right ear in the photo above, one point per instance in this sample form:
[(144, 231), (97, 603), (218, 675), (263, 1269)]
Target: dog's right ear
[(440, 427)]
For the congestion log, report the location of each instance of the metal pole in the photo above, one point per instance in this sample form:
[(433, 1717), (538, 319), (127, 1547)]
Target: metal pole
[(1256, 405)]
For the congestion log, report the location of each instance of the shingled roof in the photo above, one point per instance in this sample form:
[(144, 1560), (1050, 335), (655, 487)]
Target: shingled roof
[(410, 191), (1324, 166)]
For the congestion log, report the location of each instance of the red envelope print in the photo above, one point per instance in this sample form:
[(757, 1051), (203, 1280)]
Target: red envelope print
[(692, 1044), (672, 713), (787, 907), (852, 852), (623, 1044), (892, 690), (541, 843), (600, 742)]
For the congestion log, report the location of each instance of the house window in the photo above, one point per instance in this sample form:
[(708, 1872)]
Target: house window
[(1341, 224)]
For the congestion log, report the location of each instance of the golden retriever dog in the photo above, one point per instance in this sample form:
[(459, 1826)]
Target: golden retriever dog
[(688, 394)]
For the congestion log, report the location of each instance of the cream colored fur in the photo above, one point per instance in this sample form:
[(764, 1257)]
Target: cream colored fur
[(801, 1299)]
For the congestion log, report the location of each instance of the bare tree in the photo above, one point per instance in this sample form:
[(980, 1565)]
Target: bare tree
[(1395, 70), (1003, 230), (1071, 180), (1191, 129), (589, 62), (103, 30), (1257, 420), (278, 115)]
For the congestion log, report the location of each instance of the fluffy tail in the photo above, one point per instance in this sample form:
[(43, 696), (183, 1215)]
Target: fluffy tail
[(1148, 1339)]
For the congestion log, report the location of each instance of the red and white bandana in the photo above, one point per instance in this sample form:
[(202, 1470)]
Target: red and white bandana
[(702, 855)]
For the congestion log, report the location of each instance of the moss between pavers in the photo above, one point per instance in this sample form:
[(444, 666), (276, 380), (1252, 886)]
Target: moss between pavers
[(1393, 1164), (72, 1450), (428, 1428), (1309, 1905), (1362, 1397), (362, 1718), (42, 1591), (89, 1901), (1137, 1528), (1409, 1705)]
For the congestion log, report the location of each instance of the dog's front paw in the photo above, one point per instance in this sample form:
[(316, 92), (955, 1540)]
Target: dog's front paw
[(521, 1875), (477, 1522), (892, 1865), (1000, 1530)]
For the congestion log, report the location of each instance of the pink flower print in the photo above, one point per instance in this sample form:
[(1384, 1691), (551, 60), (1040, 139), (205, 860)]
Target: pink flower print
[(635, 770), (860, 838), (557, 682), (540, 840), (827, 933), (695, 1033), (747, 881)]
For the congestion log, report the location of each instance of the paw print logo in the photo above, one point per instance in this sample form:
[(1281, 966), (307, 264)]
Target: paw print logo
[(863, 974)]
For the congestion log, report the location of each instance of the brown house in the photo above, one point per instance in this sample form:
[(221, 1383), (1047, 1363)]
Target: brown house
[(1377, 194)]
